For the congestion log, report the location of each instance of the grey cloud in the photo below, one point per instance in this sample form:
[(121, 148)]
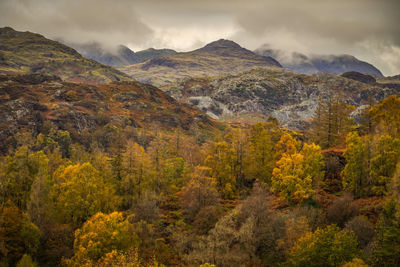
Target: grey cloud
[(104, 21), (368, 29)]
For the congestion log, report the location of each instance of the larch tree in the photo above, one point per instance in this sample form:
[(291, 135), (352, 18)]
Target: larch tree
[(331, 121)]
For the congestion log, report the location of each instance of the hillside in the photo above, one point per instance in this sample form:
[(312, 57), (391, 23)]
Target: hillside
[(120, 56), (216, 58), (285, 95), (26, 52), (312, 64), (35, 101)]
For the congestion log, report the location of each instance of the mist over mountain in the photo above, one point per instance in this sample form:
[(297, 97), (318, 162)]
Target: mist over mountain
[(314, 63), (118, 56), (211, 153)]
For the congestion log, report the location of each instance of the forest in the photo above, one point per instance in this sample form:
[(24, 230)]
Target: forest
[(246, 195)]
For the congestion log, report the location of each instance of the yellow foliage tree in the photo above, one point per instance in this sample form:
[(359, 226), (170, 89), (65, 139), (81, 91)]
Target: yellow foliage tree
[(101, 235), (221, 160), (386, 116), (296, 173), (81, 192)]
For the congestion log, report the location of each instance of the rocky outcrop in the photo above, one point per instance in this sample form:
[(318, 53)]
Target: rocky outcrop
[(289, 97), (31, 102)]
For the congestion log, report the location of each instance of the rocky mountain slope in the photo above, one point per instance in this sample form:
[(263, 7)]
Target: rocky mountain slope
[(312, 64), (283, 94), (120, 56), (26, 52), (216, 58), (35, 101)]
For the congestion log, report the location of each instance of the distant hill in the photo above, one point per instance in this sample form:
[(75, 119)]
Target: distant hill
[(289, 97), (120, 56), (217, 58), (26, 52), (33, 101), (312, 64)]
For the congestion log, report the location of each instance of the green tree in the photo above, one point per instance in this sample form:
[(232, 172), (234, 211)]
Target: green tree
[(26, 261), (18, 173), (386, 251), (383, 164), (355, 173), (324, 247), (18, 236)]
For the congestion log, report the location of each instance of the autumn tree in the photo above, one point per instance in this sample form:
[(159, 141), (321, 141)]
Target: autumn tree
[(199, 193), (297, 173), (166, 163), (221, 160), (136, 173), (238, 140), (331, 121), (386, 116), (262, 153), (100, 235), (80, 192)]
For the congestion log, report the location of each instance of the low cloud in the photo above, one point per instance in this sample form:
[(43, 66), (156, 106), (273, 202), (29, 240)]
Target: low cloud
[(367, 29)]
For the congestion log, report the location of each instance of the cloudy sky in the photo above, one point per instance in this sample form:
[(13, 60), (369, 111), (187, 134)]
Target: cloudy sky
[(367, 29)]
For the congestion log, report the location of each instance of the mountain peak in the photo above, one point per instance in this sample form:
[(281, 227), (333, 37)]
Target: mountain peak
[(222, 43)]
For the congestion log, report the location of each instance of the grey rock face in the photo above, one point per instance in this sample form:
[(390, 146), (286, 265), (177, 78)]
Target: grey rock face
[(287, 96)]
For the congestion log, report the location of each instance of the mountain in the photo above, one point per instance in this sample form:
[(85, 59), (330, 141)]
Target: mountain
[(120, 56), (35, 101), (312, 64), (151, 53), (26, 52), (217, 58), (289, 97)]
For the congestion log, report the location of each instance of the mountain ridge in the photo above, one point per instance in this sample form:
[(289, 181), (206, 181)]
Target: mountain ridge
[(217, 58)]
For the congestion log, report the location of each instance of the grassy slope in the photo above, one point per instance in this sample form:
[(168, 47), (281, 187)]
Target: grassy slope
[(26, 52)]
